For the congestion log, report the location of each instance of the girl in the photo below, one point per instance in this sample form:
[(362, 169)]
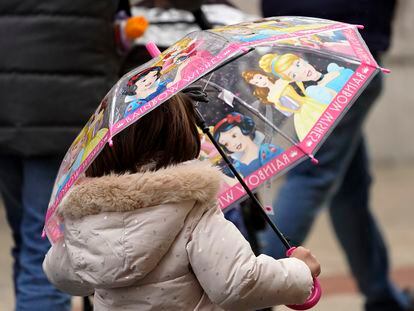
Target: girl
[(143, 231), (288, 98), (237, 135), (322, 87)]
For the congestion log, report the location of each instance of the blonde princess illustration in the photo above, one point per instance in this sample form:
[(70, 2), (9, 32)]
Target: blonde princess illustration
[(95, 130), (326, 42), (321, 86), (280, 25), (72, 161), (247, 34), (263, 29), (186, 56), (287, 98), (167, 57)]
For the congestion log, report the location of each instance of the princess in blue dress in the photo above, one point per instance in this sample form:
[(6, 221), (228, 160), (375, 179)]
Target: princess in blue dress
[(143, 87), (237, 135), (321, 86)]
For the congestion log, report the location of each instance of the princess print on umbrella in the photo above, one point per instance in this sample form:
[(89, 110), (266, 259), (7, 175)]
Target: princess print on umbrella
[(177, 62), (143, 87), (246, 146), (186, 56), (288, 98), (319, 85), (262, 29)]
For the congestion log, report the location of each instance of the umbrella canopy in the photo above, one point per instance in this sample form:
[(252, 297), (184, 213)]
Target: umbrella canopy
[(276, 86)]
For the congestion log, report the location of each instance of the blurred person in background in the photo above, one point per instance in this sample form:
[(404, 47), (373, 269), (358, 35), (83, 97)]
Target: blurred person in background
[(342, 178), (57, 61)]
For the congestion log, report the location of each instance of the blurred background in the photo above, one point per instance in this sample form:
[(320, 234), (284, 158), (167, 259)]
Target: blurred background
[(389, 131)]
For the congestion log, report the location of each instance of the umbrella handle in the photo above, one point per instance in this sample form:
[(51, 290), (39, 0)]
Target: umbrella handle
[(315, 295)]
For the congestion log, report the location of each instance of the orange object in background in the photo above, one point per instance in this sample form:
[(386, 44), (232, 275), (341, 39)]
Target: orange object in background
[(135, 27), (127, 29)]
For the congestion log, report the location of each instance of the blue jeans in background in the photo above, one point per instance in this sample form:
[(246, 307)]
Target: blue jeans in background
[(26, 185), (342, 180)]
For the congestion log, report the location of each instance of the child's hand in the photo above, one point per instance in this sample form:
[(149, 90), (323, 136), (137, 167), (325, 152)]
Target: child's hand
[(306, 256)]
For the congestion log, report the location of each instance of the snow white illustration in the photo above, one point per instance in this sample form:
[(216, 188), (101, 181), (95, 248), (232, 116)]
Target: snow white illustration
[(143, 87), (237, 135)]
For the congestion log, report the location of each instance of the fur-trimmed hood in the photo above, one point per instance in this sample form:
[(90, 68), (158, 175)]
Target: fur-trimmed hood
[(193, 180), (157, 241)]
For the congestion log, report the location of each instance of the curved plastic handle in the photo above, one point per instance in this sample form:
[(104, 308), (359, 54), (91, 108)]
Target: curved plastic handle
[(315, 295)]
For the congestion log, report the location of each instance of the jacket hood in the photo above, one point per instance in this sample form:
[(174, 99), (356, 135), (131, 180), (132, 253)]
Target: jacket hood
[(119, 228), (193, 180)]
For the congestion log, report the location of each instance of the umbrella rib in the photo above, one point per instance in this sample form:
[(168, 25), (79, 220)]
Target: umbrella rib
[(264, 119), (259, 115), (202, 124)]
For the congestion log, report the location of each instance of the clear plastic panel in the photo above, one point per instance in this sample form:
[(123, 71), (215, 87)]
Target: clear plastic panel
[(270, 27), (266, 94), (327, 42)]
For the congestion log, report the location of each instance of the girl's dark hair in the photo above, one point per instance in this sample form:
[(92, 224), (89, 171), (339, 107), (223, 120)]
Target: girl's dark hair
[(245, 123), (165, 136), (131, 87)]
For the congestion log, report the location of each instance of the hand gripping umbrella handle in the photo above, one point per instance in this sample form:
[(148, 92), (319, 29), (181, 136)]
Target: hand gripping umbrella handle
[(316, 291), (315, 295)]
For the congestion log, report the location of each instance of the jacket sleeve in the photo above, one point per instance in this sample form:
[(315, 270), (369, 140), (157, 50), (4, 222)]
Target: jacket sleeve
[(233, 277), (61, 274)]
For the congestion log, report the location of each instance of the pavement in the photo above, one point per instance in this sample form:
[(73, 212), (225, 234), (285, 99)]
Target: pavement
[(392, 197)]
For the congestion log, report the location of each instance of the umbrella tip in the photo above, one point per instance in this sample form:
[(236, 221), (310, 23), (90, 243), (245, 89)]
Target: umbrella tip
[(313, 159), (111, 142), (360, 26), (385, 70)]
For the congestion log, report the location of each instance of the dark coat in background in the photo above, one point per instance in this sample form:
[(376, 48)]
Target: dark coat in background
[(57, 61), (375, 15)]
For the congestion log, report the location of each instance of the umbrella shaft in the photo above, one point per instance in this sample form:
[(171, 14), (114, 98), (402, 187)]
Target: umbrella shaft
[(202, 124)]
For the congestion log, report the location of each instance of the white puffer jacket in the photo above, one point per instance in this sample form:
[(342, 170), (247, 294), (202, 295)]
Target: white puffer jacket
[(157, 241)]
